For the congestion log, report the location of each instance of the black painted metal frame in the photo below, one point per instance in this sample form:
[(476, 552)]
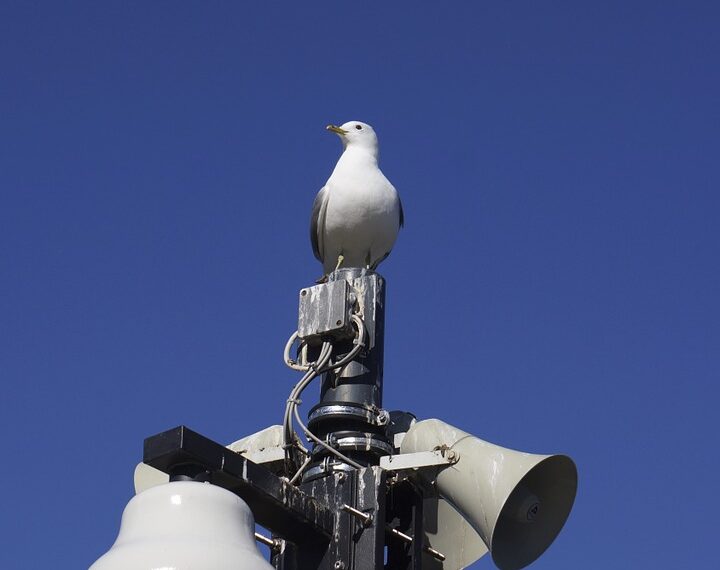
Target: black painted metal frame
[(338, 519), (312, 521)]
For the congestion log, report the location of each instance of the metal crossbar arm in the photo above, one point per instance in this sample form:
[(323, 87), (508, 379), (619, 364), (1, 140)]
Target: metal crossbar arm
[(277, 505)]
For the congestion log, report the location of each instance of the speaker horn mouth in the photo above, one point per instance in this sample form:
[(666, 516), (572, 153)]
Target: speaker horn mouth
[(534, 513)]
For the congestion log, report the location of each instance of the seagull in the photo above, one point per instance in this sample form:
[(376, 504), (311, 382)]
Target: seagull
[(357, 215)]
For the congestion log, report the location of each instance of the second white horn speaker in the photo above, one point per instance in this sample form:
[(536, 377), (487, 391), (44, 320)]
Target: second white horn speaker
[(517, 502)]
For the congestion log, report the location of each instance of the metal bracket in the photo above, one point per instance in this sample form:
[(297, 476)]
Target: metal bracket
[(419, 460), (277, 505), (264, 448)]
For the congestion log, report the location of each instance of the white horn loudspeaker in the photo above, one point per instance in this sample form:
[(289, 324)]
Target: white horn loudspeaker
[(517, 502)]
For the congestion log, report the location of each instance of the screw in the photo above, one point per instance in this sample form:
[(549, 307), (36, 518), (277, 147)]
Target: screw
[(341, 477), (303, 292), (339, 565), (533, 511), (338, 322)]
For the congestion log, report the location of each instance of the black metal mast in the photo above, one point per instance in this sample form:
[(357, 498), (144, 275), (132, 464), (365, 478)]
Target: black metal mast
[(342, 515)]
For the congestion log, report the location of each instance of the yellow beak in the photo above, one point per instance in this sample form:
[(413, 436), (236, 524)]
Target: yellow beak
[(334, 129)]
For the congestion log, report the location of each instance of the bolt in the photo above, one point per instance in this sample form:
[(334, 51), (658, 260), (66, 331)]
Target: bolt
[(338, 322), (341, 477), (339, 565), (383, 417), (303, 292), (365, 518)]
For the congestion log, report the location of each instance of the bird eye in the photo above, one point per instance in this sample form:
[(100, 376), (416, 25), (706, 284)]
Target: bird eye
[(358, 127)]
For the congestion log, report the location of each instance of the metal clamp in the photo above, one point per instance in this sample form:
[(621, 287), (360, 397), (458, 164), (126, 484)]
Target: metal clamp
[(364, 442), (347, 411), (326, 466)]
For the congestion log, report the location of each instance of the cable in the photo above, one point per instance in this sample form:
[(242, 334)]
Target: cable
[(300, 470), (359, 343), (313, 370), (289, 361), (293, 399)]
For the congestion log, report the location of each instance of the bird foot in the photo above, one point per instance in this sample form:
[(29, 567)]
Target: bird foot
[(341, 258)]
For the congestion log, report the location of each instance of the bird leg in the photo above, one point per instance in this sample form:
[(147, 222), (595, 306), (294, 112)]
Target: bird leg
[(341, 258)]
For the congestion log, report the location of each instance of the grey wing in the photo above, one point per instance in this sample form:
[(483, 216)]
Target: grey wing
[(317, 224), (402, 221)]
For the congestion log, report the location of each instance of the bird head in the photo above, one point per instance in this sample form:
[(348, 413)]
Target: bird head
[(355, 134)]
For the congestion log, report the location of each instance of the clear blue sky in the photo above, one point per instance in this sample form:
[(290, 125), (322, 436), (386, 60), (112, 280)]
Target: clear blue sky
[(556, 288)]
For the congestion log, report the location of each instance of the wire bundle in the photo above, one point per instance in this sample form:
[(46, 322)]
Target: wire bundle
[(312, 370)]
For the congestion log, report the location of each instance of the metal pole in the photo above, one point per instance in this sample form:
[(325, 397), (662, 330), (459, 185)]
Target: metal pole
[(337, 518), (349, 415)]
